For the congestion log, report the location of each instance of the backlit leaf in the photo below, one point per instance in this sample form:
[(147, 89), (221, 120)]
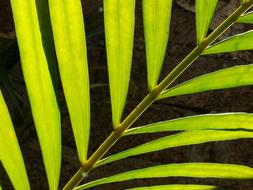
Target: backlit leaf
[(47, 38), (119, 32), (179, 187), (180, 139), (246, 18), (204, 15), (70, 43), (10, 153), (244, 1), (157, 15), (195, 170), (237, 42), (226, 78), (227, 121), (35, 58)]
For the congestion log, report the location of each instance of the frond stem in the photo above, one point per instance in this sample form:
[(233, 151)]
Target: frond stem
[(151, 97)]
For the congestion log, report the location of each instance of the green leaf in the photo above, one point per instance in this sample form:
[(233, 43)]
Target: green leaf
[(237, 42), (246, 18), (70, 43), (179, 187), (180, 139), (10, 153), (196, 170), (157, 15), (119, 18), (227, 121), (47, 38), (244, 1), (204, 15), (34, 60), (226, 78)]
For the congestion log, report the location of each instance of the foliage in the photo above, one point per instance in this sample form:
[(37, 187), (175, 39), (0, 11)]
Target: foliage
[(37, 56), (10, 154), (59, 25)]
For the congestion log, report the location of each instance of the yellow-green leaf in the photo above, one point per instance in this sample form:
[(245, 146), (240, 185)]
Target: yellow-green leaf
[(156, 18), (119, 18), (237, 42), (196, 170), (204, 15), (226, 78), (179, 187), (244, 1), (70, 44), (34, 61), (10, 153), (47, 38), (180, 139), (246, 18), (227, 121)]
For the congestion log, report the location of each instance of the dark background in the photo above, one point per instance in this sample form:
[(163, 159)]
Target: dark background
[(182, 41)]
